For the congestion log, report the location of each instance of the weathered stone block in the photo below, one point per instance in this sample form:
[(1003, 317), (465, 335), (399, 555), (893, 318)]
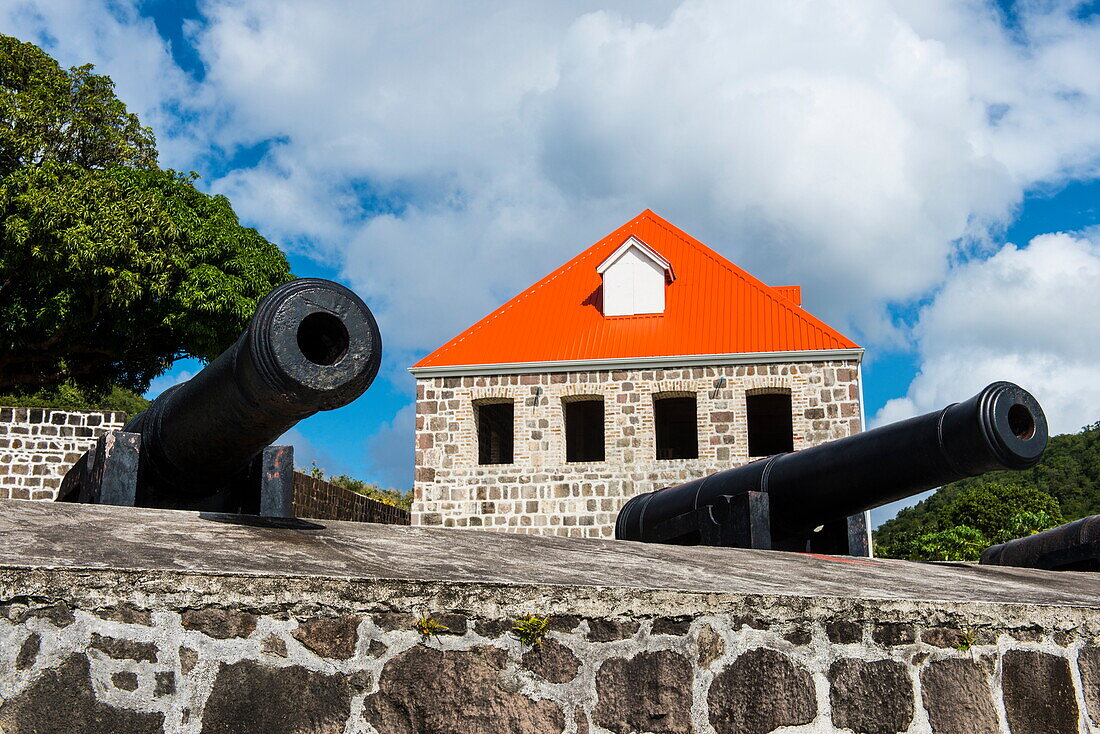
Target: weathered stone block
[(424, 689), (329, 637), (125, 680), (1038, 693), (121, 649), (126, 613), (759, 692), (273, 645), (188, 659), (59, 615), (799, 636), (165, 683), (671, 625), (551, 660), (650, 692), (710, 645), (942, 636), (871, 697), (219, 623), (248, 697), (957, 697), (62, 700), (392, 621), (843, 632), (28, 651), (1089, 662), (605, 630), (891, 634)]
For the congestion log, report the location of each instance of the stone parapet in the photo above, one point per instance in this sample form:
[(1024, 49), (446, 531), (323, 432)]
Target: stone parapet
[(540, 492), (39, 445), (121, 619), (324, 500)]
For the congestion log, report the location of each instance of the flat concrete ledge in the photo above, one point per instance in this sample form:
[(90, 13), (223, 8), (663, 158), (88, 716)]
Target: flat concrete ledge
[(82, 538)]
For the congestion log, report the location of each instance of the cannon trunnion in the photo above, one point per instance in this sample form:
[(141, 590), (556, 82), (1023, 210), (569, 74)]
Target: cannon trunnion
[(205, 444), (801, 500)]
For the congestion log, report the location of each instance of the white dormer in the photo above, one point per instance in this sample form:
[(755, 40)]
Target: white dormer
[(634, 280)]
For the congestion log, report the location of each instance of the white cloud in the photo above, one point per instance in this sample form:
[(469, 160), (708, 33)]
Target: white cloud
[(390, 450), (1028, 315), (446, 156), (848, 146), (113, 36), (167, 380)]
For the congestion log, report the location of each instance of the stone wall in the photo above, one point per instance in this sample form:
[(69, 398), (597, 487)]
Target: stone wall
[(324, 500), (39, 445), (541, 493), (228, 628), (323, 667)]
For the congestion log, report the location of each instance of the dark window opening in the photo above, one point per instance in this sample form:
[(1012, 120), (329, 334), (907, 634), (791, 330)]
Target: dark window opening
[(495, 422), (584, 430), (677, 433), (771, 429)]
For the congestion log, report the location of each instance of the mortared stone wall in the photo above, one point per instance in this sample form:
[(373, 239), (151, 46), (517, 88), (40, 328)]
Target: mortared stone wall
[(39, 445), (540, 492), (324, 500)]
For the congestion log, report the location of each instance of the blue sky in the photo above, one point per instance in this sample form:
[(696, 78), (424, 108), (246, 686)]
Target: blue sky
[(928, 172)]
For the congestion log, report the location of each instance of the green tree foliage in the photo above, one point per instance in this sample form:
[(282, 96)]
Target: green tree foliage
[(959, 543), (995, 510), (68, 396), (110, 268), (999, 506)]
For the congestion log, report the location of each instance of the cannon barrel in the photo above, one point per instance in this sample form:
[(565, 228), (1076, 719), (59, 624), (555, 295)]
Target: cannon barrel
[(1002, 427), (1074, 546), (312, 345)]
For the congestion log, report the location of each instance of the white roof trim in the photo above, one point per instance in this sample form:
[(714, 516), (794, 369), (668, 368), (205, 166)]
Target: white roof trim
[(687, 360), (645, 249)]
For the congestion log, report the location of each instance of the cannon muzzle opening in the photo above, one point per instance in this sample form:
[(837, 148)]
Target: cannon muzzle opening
[(315, 343), (1013, 427)]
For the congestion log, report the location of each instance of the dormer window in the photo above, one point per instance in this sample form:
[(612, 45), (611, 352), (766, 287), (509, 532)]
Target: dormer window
[(634, 280)]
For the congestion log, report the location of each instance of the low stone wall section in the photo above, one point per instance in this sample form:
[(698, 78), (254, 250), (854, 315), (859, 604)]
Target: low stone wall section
[(117, 619), (324, 500), (198, 661), (39, 445)]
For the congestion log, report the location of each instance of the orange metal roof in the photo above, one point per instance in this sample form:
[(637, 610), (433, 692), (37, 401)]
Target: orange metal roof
[(712, 307)]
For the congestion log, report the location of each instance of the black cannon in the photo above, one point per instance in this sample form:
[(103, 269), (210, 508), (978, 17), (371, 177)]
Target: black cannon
[(801, 500), (204, 444), (1074, 546)]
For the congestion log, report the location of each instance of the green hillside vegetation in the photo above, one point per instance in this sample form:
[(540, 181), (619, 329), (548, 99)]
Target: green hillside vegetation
[(965, 517)]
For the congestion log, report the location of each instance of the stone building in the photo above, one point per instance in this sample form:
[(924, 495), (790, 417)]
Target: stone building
[(645, 361)]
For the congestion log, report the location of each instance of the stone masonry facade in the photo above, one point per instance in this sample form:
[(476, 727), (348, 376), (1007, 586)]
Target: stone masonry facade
[(39, 445), (540, 492), (146, 652)]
